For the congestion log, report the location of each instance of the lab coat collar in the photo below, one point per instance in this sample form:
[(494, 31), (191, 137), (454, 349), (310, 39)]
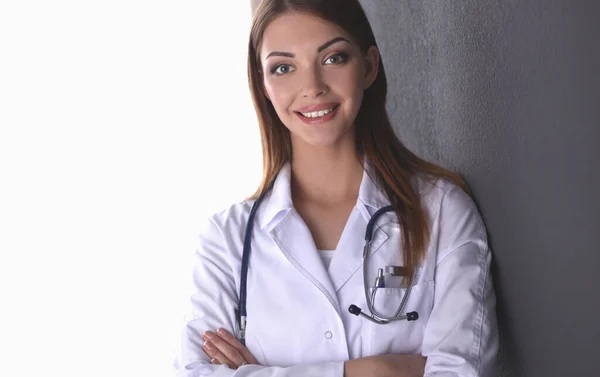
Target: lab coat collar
[(278, 201), (294, 239), (370, 197)]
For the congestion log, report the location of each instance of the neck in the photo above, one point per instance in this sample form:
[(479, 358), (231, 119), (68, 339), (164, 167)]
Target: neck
[(327, 176)]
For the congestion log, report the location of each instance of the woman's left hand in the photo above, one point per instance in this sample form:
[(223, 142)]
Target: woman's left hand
[(224, 348)]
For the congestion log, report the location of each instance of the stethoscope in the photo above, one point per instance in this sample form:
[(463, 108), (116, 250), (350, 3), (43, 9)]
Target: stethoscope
[(375, 316)]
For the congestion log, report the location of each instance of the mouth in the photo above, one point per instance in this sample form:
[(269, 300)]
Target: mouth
[(320, 116)]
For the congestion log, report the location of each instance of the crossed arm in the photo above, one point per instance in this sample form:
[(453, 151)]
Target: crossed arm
[(223, 348), (461, 338)]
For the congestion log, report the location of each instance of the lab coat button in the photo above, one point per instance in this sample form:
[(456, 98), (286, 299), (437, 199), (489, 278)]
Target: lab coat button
[(328, 334)]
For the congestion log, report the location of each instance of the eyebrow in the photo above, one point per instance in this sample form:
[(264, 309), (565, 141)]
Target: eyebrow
[(320, 49)]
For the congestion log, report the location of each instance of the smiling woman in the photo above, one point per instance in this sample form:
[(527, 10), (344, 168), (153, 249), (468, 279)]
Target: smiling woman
[(333, 71), (280, 278)]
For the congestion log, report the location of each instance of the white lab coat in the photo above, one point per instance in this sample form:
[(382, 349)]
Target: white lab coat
[(298, 319)]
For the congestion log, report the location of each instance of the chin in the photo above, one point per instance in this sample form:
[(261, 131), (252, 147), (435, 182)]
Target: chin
[(323, 141), (328, 135)]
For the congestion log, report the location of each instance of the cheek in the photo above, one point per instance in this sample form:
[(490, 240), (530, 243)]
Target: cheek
[(279, 95), (352, 91), (348, 83)]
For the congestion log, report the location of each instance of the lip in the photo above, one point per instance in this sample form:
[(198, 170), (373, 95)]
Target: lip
[(319, 107), (319, 120)]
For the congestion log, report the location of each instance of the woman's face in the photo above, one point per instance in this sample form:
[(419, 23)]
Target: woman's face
[(315, 74)]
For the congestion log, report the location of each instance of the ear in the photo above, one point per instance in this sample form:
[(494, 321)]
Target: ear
[(371, 65)]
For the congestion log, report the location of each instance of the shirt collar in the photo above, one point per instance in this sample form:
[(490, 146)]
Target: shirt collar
[(278, 201)]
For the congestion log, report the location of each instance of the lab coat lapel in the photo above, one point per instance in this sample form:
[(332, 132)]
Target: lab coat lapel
[(348, 258), (295, 241)]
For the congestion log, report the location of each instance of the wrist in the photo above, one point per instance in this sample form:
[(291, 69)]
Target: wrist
[(366, 366)]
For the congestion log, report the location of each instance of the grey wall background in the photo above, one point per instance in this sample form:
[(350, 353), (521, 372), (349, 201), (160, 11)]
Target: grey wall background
[(507, 94)]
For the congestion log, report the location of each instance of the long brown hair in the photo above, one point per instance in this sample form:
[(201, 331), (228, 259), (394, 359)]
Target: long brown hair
[(393, 164)]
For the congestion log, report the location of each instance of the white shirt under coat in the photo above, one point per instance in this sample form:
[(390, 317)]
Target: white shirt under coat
[(298, 319)]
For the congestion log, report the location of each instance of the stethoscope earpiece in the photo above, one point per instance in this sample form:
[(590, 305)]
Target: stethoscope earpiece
[(410, 316), (354, 309)]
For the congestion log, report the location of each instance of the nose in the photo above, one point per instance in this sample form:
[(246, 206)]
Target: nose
[(313, 84)]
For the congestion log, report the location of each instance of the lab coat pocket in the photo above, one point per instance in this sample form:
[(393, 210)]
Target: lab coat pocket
[(399, 336)]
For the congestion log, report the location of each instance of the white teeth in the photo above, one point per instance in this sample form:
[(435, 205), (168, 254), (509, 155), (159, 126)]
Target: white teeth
[(316, 114)]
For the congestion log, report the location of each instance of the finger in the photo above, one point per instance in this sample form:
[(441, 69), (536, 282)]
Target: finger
[(226, 349), (232, 340), (217, 357)]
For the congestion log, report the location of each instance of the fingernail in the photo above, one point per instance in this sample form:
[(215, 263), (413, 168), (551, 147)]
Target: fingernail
[(208, 346), (209, 334), (221, 331)]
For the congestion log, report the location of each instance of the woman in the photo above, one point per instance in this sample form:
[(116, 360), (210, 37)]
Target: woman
[(331, 161)]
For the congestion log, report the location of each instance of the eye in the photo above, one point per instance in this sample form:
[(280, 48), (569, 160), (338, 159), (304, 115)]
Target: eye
[(281, 69), (337, 58)]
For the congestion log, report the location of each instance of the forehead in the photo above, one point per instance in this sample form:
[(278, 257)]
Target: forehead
[(295, 31)]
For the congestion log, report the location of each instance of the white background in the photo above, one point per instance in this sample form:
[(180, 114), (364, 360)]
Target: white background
[(123, 125)]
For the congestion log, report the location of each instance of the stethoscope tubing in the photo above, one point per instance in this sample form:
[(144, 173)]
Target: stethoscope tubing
[(375, 316)]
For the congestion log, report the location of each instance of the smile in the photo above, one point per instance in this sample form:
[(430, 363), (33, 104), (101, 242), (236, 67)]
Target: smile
[(320, 116), (316, 114)]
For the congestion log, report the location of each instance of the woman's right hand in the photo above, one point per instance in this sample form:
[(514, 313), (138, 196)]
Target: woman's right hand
[(224, 348), (390, 365)]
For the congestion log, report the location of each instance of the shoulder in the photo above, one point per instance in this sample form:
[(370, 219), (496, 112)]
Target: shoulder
[(453, 217), (220, 237), (442, 197), (232, 217), (450, 210)]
